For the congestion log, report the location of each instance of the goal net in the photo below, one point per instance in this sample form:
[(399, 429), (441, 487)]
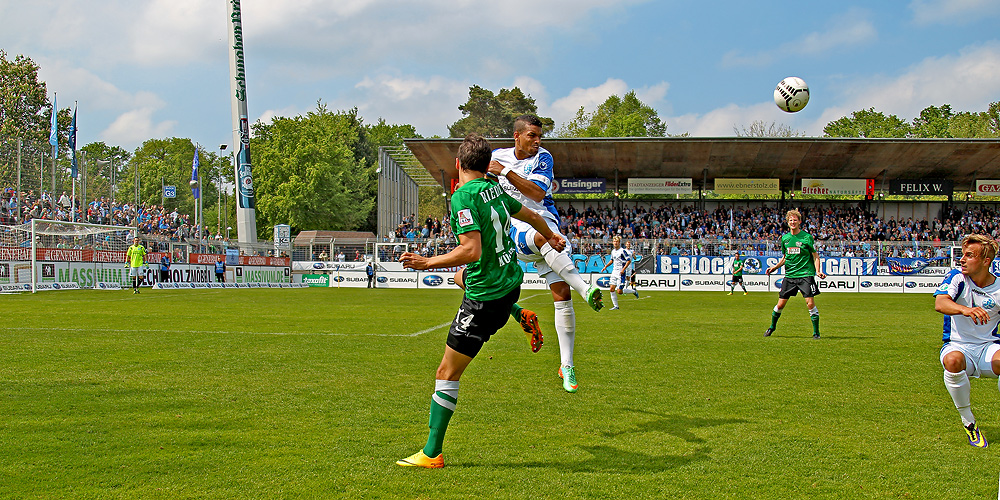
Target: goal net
[(387, 255), (46, 254)]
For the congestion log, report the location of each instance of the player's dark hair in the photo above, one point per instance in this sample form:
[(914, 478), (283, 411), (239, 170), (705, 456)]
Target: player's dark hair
[(522, 122), (474, 153)]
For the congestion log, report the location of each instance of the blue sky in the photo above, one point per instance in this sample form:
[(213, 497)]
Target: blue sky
[(159, 68)]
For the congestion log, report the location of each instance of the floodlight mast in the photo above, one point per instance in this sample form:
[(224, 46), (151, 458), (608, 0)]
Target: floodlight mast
[(246, 202)]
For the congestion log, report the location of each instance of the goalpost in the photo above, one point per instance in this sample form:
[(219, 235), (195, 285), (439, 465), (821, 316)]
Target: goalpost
[(55, 251)]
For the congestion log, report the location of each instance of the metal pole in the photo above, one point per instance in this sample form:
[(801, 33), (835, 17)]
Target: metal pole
[(17, 194), (34, 259)]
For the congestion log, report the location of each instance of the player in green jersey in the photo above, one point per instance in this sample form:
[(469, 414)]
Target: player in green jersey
[(135, 258), (801, 261), (481, 215), (737, 275)]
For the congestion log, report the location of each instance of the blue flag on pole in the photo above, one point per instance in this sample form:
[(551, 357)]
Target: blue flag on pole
[(72, 143), (54, 133), (195, 188)]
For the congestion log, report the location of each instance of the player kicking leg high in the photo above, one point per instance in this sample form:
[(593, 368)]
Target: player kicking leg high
[(526, 174)]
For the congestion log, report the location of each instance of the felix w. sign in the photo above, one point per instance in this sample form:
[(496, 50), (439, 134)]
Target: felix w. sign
[(921, 187)]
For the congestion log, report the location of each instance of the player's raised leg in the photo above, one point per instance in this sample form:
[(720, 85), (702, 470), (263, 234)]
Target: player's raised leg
[(562, 264)]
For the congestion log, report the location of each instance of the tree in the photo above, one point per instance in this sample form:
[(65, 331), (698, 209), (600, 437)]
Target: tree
[(100, 176), (616, 117), (493, 115), (169, 161), (868, 123), (25, 109), (312, 172), (760, 129), (933, 122)]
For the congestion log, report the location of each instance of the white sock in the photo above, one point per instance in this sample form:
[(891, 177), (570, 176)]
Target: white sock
[(777, 310), (564, 267), (814, 311), (959, 388), (628, 289), (614, 299), (565, 321)]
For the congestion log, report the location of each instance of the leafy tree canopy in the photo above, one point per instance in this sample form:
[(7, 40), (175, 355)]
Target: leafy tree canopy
[(616, 117), (492, 115)]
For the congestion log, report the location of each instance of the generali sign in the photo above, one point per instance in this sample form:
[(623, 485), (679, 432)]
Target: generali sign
[(988, 188)]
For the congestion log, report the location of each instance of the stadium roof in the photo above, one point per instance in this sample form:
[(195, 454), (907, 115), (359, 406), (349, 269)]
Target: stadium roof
[(960, 160)]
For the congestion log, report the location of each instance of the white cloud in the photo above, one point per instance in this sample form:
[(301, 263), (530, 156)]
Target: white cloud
[(136, 126), (968, 81), (564, 108), (952, 11), (846, 30)]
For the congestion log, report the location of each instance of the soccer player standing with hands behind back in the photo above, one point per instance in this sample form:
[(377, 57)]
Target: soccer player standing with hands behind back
[(968, 298), (801, 261)]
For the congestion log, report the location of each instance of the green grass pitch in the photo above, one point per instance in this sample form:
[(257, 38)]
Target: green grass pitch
[(315, 393)]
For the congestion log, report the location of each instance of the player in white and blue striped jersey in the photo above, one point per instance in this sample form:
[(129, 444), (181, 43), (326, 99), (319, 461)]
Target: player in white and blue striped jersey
[(968, 298), (621, 260), (526, 173)]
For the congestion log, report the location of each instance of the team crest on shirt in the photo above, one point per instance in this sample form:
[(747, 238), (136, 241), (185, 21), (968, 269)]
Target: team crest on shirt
[(989, 303), (464, 217)]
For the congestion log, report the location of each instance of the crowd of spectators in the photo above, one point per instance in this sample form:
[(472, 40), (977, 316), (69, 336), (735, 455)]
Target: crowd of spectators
[(840, 223), (682, 229), (154, 221)]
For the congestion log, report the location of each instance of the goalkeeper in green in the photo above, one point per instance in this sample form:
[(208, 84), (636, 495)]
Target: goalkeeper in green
[(135, 258)]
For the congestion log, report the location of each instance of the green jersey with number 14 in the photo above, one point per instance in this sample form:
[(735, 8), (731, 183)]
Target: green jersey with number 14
[(482, 205), (798, 250)]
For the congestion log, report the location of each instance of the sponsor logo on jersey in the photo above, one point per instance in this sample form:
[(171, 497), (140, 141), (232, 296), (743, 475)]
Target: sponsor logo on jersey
[(433, 280), (604, 281), (989, 304), (464, 217)]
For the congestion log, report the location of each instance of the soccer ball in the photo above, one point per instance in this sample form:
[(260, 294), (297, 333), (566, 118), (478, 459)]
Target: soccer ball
[(792, 94)]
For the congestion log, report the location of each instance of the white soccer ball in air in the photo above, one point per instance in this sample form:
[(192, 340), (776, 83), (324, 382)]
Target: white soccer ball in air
[(792, 94)]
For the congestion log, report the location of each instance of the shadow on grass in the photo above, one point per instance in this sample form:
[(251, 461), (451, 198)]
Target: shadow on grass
[(610, 459), (679, 426), (823, 338)]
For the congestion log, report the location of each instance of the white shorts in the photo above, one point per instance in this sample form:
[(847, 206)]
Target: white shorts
[(618, 280), (524, 239), (134, 271), (978, 357)]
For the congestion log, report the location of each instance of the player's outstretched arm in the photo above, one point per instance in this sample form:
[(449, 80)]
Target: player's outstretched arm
[(470, 247), (944, 304), (528, 188), (555, 240)]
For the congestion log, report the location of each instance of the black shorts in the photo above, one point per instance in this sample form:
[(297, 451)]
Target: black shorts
[(791, 286), (476, 321), (737, 279)]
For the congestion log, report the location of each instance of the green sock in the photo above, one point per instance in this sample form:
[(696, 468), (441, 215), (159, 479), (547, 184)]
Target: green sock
[(815, 320), (774, 319), (515, 311), (442, 407)]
